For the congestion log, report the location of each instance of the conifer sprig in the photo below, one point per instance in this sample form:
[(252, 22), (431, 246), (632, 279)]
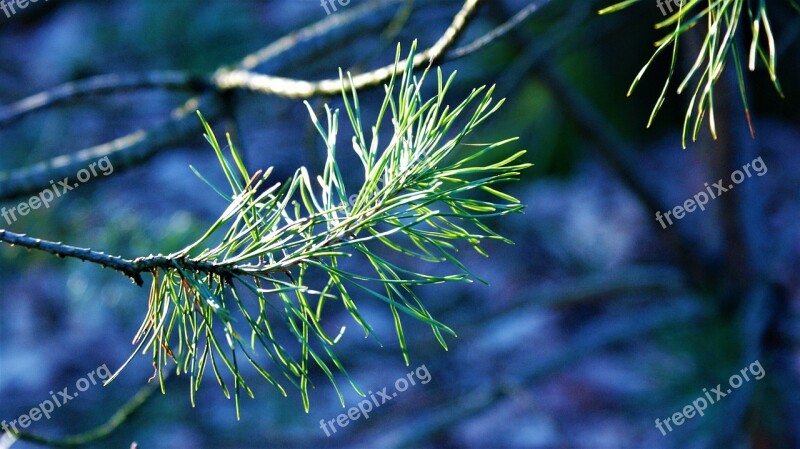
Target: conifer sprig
[(723, 20), (244, 289)]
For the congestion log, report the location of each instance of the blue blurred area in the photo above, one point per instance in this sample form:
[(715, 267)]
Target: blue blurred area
[(588, 329)]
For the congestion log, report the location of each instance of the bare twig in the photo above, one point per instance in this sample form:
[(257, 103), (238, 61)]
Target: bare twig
[(102, 84), (294, 88), (125, 151), (241, 77), (498, 32), (174, 80), (139, 146)]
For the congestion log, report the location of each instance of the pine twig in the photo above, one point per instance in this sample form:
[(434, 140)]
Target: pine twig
[(132, 268), (723, 21), (416, 187)]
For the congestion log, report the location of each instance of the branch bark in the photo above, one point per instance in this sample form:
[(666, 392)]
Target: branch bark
[(133, 268)]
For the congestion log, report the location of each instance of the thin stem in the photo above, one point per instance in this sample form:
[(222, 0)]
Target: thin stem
[(133, 268), (294, 88), (498, 32), (241, 78), (123, 152), (103, 84)]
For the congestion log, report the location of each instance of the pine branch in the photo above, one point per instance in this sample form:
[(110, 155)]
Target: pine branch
[(273, 242), (132, 268), (223, 80)]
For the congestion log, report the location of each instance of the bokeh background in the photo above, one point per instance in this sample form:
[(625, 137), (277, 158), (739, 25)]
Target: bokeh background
[(595, 323)]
